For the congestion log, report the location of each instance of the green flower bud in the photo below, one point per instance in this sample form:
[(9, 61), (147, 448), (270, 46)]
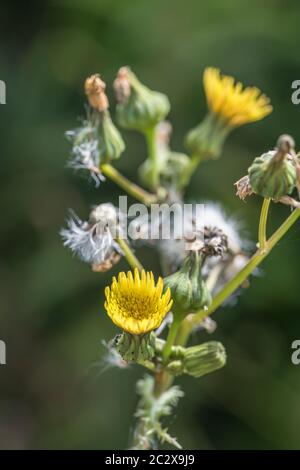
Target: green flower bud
[(273, 174), (206, 140), (138, 107), (135, 348), (197, 360), (111, 144), (204, 358), (188, 290)]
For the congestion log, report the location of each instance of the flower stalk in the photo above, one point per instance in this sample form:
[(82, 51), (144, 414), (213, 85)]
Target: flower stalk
[(131, 188), (262, 229), (129, 255)]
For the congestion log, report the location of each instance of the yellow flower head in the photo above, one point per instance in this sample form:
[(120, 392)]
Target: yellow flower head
[(135, 303), (231, 102)]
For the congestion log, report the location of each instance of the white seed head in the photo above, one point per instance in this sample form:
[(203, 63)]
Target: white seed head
[(93, 242)]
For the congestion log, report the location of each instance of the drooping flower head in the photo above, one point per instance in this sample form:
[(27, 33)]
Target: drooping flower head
[(230, 101), (135, 303)]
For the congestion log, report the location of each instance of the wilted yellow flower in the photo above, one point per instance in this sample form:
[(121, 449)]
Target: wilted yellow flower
[(135, 303), (231, 102)]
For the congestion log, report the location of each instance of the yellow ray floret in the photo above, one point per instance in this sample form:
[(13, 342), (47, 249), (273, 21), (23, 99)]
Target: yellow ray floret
[(135, 303), (231, 102)]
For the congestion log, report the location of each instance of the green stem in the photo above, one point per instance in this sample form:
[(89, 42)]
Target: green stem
[(129, 255), (262, 230), (170, 339), (192, 167), (131, 188), (152, 153)]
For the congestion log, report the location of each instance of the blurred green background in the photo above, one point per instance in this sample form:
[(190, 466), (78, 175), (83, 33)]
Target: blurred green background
[(53, 392)]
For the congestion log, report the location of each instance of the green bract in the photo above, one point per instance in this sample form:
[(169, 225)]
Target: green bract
[(111, 144), (271, 176), (198, 360), (135, 348), (206, 140)]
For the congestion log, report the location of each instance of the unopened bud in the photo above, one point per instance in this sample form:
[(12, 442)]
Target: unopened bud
[(206, 140), (273, 174), (95, 92), (188, 290), (204, 358), (139, 107)]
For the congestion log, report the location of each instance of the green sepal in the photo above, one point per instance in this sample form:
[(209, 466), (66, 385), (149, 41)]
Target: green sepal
[(111, 144), (206, 140)]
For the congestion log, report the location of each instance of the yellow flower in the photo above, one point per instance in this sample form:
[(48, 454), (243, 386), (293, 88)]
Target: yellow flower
[(135, 303), (231, 102)]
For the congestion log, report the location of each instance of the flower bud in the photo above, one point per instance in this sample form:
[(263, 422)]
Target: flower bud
[(95, 92), (175, 173), (197, 360), (204, 358), (188, 290), (111, 144), (135, 348), (138, 107), (273, 174), (206, 140)]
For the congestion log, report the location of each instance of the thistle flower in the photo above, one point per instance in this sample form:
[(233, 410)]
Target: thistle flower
[(135, 303), (230, 102), (93, 241), (229, 106)]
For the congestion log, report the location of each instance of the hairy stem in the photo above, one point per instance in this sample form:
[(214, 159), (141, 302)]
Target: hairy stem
[(129, 255), (131, 188)]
